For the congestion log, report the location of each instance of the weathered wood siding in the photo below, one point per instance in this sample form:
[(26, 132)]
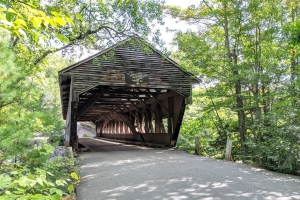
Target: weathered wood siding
[(133, 67)]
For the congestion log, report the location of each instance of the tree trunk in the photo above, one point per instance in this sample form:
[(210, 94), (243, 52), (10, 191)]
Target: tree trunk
[(232, 56)]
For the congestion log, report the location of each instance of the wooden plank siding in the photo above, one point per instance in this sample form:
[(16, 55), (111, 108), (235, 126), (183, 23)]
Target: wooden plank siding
[(159, 73)]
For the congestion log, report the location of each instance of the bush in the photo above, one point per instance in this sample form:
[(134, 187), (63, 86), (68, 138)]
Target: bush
[(50, 179)]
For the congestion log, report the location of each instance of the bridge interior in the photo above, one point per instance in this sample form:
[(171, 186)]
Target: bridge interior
[(131, 91)]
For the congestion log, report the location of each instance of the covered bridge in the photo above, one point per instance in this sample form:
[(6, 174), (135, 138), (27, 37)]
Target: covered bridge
[(130, 91)]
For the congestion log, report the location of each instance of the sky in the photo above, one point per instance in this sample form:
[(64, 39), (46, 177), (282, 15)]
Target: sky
[(171, 23)]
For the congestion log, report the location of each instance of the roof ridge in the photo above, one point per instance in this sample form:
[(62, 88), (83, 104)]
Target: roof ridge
[(119, 44)]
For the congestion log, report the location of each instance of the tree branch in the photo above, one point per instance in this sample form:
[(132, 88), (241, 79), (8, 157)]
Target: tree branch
[(6, 104), (210, 8), (74, 40)]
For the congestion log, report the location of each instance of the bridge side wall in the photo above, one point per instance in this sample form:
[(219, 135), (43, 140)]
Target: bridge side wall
[(155, 138)]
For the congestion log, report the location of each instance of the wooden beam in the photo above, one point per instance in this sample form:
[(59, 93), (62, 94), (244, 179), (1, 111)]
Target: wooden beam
[(136, 107), (157, 101), (128, 110), (170, 114), (179, 121), (161, 97), (90, 102), (159, 117), (141, 100), (73, 126), (123, 112), (130, 125)]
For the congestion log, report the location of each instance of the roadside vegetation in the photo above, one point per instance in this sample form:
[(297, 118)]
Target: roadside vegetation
[(37, 39), (245, 52), (247, 55)]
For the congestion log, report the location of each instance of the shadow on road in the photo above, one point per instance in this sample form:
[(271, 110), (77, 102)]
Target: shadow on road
[(174, 174)]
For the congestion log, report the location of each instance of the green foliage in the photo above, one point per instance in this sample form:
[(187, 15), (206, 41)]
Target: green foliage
[(29, 95), (29, 107), (25, 104), (247, 54), (41, 29), (29, 20), (53, 179)]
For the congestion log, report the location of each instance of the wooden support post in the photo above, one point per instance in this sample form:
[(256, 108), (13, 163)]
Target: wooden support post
[(179, 118), (197, 145), (99, 126), (130, 125), (228, 149), (157, 125), (147, 123), (151, 128), (71, 138), (138, 121), (159, 116), (103, 128), (122, 128), (170, 115), (73, 126)]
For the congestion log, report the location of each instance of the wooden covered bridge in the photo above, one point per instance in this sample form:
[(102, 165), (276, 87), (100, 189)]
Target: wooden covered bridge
[(131, 91)]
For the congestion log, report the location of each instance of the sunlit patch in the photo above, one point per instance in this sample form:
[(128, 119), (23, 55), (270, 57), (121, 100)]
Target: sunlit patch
[(189, 190), (219, 185), (172, 193), (115, 195), (151, 188), (210, 198), (140, 186), (203, 185), (122, 188), (257, 169), (179, 197), (87, 177), (239, 194)]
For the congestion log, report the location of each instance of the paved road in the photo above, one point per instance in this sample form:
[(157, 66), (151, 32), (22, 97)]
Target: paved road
[(145, 173)]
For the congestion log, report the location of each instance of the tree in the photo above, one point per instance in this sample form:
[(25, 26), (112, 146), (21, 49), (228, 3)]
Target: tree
[(31, 32), (62, 25), (249, 68)]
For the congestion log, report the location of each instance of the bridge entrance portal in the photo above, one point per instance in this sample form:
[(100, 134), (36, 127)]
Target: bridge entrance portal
[(131, 91)]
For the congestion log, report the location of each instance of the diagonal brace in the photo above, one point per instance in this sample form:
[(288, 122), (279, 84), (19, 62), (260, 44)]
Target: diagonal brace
[(90, 102), (157, 101)]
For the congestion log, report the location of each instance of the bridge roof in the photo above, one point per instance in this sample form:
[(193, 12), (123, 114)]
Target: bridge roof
[(121, 78)]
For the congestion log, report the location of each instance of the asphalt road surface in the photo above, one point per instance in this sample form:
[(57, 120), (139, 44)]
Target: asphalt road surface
[(126, 172)]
